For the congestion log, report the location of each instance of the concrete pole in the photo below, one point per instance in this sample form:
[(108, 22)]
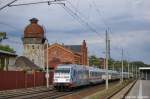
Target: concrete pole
[(128, 70), (132, 71), (114, 65), (47, 70), (136, 72), (43, 58), (146, 75), (122, 67), (106, 82)]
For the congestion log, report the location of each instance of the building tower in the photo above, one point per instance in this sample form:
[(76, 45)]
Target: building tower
[(84, 53), (33, 42)]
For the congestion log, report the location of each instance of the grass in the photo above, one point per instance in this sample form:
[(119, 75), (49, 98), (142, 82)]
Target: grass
[(111, 90)]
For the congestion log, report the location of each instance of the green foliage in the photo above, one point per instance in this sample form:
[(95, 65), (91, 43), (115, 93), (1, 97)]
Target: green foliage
[(94, 61), (6, 48), (3, 35), (118, 65), (139, 64)]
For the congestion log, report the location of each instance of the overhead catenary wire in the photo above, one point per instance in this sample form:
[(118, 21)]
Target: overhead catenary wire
[(81, 16), (80, 19), (34, 3), (99, 13), (8, 25), (75, 15), (8, 4)]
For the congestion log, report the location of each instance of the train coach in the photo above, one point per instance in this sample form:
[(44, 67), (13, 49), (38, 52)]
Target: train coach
[(69, 76)]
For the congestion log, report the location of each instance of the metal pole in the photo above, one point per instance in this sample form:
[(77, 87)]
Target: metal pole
[(136, 71), (113, 66), (44, 57), (146, 75), (122, 68), (128, 69), (47, 71), (132, 71), (106, 60)]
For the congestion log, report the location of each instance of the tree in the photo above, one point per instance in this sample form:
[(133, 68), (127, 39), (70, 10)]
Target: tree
[(94, 61), (2, 36), (6, 48)]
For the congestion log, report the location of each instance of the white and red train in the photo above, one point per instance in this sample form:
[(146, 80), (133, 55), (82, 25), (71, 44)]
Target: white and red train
[(71, 76)]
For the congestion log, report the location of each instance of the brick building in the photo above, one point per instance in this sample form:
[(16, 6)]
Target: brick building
[(33, 42), (67, 54), (102, 63)]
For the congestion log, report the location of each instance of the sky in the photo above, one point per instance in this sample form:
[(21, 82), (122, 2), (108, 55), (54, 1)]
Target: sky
[(127, 22)]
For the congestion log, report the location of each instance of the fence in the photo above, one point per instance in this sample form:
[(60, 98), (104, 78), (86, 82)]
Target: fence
[(20, 79)]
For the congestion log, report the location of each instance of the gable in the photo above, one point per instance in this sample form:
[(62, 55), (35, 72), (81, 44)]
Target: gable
[(57, 51), (58, 46)]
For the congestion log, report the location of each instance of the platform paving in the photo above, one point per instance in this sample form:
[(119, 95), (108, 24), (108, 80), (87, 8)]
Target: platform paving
[(141, 90)]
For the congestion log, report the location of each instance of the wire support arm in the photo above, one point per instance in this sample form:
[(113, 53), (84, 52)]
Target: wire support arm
[(34, 3)]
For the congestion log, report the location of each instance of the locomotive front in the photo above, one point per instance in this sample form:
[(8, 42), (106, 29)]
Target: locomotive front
[(62, 77)]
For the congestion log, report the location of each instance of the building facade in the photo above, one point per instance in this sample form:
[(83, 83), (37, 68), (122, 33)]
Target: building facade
[(67, 54), (33, 42), (102, 63), (7, 60)]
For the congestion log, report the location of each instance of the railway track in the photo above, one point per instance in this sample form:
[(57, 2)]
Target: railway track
[(22, 92), (124, 96), (124, 93), (45, 93), (32, 93), (84, 92)]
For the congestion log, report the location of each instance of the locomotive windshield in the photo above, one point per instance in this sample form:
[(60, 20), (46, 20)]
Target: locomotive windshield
[(62, 70)]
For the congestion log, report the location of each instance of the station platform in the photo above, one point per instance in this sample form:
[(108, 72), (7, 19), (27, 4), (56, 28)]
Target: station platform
[(141, 90)]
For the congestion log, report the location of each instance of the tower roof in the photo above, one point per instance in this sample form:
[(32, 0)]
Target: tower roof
[(34, 29)]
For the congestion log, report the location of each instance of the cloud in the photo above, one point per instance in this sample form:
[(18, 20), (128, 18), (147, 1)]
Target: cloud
[(128, 20)]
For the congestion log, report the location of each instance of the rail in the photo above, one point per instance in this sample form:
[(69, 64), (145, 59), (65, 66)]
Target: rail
[(124, 96), (115, 92)]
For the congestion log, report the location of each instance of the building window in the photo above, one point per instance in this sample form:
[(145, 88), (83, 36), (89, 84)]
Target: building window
[(32, 46)]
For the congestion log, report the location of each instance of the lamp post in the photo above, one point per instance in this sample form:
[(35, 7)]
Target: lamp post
[(47, 71)]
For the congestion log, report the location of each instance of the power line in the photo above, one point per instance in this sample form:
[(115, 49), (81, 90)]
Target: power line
[(15, 28), (73, 14), (99, 13), (78, 17), (7, 5), (34, 3)]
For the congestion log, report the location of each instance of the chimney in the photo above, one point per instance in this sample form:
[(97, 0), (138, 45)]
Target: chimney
[(34, 20), (84, 43)]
